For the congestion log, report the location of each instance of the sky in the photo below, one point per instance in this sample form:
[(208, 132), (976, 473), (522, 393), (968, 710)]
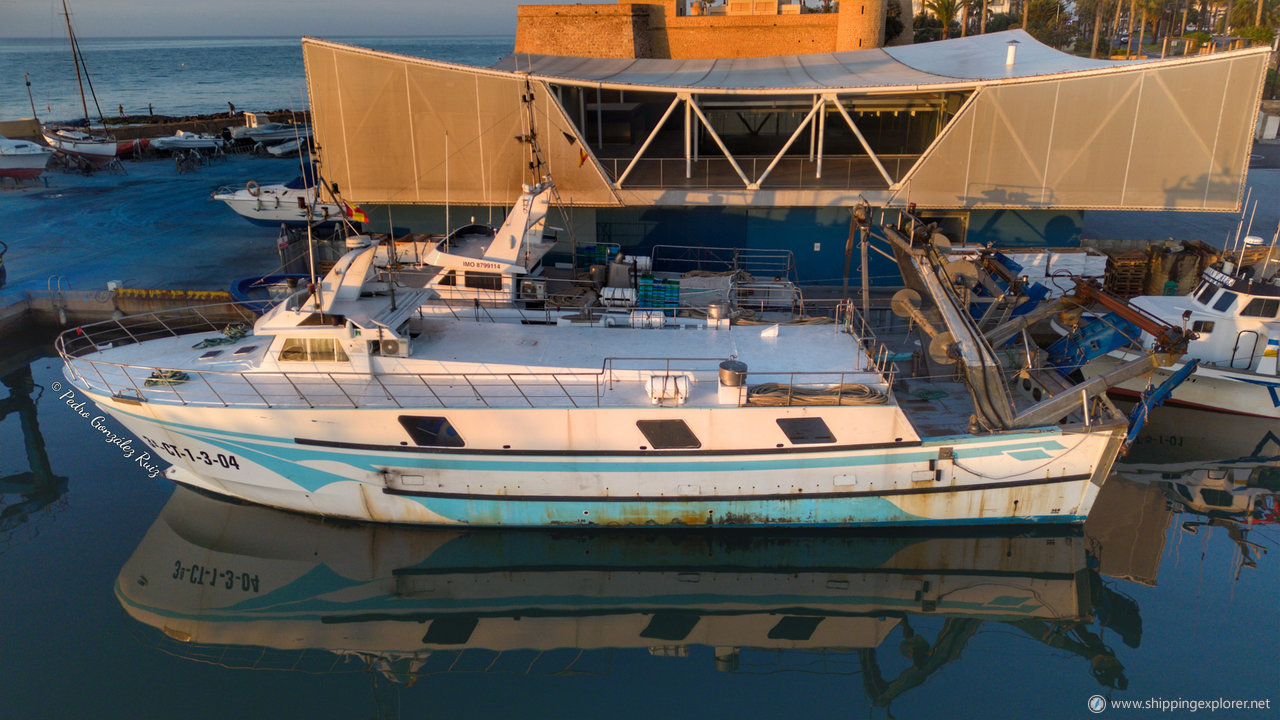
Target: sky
[(206, 18)]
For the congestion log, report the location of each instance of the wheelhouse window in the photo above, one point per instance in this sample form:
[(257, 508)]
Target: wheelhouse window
[(1225, 302), (1262, 307), (431, 431), (668, 434), (483, 280), (312, 350), (1205, 293), (449, 278)]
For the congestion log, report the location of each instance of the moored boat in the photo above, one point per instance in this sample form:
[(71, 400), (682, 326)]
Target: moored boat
[(183, 140), (294, 203), (348, 400), (97, 150), (1234, 313), (22, 159)]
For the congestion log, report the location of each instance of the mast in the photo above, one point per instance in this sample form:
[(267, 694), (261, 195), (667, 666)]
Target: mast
[(75, 58)]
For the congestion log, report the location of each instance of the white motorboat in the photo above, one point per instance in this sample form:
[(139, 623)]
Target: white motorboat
[(1234, 314), (288, 148), (183, 140), (271, 133), (295, 203), (22, 159), (348, 400)]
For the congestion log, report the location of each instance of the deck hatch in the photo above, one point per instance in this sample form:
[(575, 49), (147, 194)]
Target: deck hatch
[(670, 626), (211, 354), (792, 627), (668, 434), (245, 350), (450, 630), (806, 430), (431, 431)]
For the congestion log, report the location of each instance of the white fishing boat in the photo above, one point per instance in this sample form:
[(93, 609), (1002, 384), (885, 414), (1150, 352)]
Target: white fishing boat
[(1234, 315), (348, 400), (183, 140), (295, 203), (205, 568), (22, 159)]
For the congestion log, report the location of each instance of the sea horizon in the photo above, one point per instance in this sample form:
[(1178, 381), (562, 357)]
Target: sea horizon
[(180, 76)]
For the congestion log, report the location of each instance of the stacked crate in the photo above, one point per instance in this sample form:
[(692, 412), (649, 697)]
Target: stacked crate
[(652, 292), (1126, 273)]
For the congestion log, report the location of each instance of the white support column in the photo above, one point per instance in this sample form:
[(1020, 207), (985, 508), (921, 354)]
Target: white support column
[(688, 142), (647, 141), (599, 115), (858, 134), (778, 158), (822, 135), (720, 143)]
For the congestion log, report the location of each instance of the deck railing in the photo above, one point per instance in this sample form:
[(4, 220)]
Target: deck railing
[(618, 381)]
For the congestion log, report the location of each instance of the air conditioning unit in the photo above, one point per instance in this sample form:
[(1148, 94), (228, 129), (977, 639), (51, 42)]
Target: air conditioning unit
[(533, 289)]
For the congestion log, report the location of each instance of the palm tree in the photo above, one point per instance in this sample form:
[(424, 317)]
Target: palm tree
[(945, 11)]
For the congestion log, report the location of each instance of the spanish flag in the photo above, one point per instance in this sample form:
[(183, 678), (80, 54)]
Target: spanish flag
[(354, 213)]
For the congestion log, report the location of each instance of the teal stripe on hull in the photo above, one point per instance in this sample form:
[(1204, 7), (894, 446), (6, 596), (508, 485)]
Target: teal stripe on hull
[(799, 512)]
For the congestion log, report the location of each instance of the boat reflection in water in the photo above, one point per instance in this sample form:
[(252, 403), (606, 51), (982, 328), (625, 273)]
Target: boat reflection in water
[(247, 586), (1221, 472)]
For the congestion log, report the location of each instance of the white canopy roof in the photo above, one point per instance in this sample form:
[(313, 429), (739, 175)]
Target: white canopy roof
[(962, 61)]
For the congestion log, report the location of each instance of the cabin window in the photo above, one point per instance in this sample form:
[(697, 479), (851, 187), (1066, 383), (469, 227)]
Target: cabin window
[(668, 434), (1260, 307), (1203, 327), (806, 430), (483, 280), (323, 320), (449, 278), (1217, 498), (312, 350), (431, 431), (1225, 302), (1205, 293)]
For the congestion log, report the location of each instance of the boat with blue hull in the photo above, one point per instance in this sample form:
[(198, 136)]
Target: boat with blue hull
[(355, 399)]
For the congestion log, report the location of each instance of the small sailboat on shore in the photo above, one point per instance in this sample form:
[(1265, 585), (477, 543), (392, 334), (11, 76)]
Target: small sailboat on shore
[(96, 149)]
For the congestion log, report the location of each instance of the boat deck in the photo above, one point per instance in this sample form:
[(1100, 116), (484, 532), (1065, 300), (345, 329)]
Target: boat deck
[(482, 364)]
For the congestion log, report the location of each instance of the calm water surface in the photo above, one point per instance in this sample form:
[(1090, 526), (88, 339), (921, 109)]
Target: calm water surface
[(125, 597), (186, 76)]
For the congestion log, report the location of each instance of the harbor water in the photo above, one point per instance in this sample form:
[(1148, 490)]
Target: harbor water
[(127, 597)]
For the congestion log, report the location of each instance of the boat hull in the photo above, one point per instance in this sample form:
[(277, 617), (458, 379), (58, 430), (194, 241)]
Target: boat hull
[(23, 160), (1236, 392), (303, 460), (95, 152), (273, 207)]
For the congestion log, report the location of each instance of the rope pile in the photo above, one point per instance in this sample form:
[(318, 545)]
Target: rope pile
[(775, 394)]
